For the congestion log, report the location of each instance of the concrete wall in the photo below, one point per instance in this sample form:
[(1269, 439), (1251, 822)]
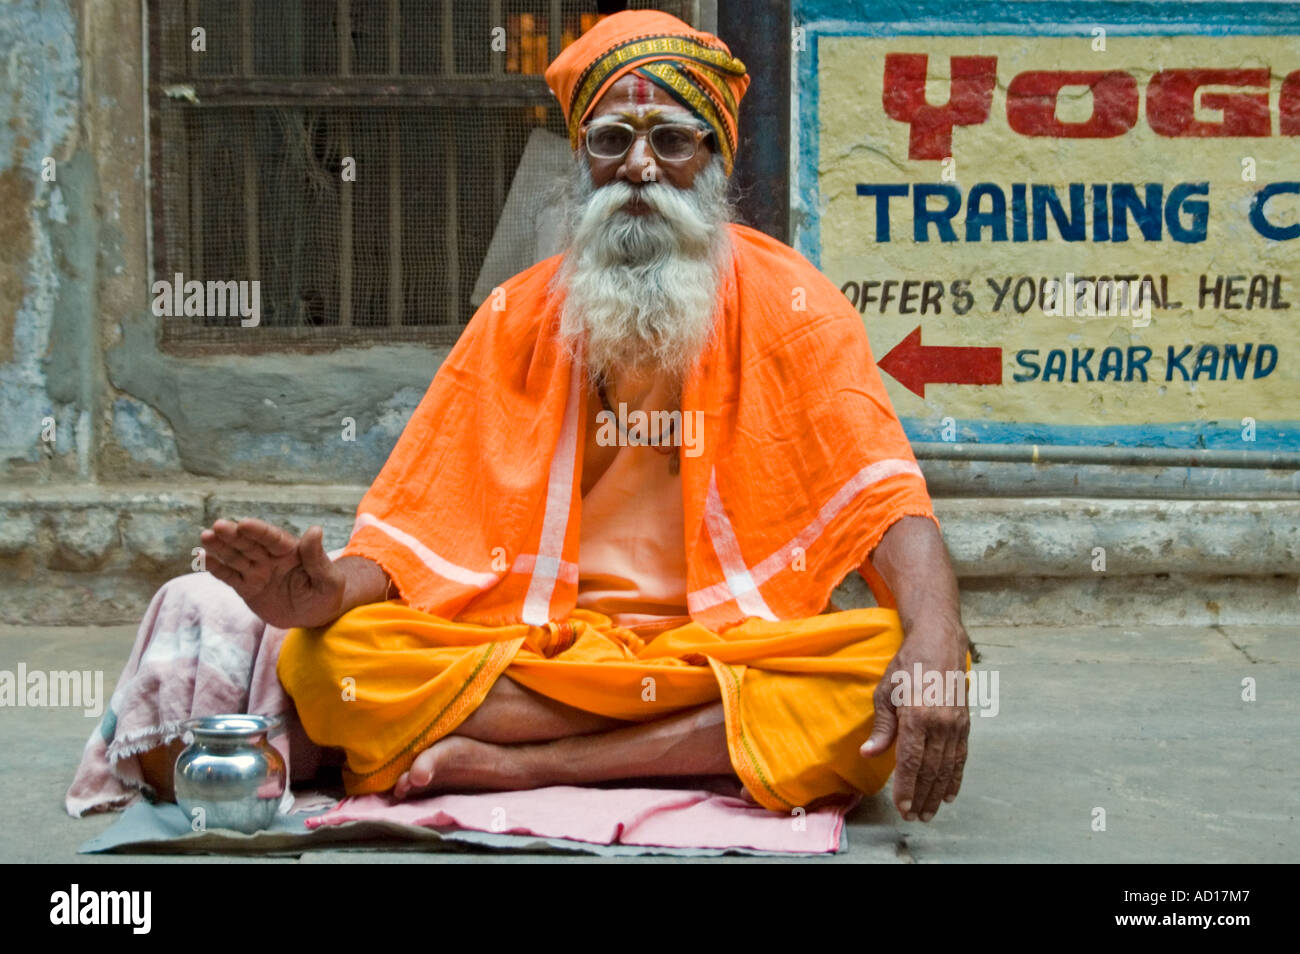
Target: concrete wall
[(150, 446), (78, 341), (88, 399), (48, 250)]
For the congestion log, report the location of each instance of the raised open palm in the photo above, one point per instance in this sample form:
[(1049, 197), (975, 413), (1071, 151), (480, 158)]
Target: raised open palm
[(285, 580)]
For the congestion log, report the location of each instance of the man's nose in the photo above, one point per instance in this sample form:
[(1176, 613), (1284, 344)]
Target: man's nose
[(639, 163)]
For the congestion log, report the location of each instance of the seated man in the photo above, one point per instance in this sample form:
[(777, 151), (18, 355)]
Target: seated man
[(543, 588)]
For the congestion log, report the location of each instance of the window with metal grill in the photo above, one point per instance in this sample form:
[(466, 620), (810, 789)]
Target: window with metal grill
[(429, 103)]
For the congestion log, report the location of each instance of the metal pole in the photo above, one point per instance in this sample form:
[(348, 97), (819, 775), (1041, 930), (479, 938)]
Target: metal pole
[(758, 33), (1113, 456), (396, 298), (345, 188)]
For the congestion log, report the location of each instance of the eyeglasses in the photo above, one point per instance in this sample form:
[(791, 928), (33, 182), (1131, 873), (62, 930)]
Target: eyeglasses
[(670, 142)]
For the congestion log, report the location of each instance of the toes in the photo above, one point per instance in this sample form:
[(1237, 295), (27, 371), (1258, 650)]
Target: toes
[(421, 773), (417, 777)]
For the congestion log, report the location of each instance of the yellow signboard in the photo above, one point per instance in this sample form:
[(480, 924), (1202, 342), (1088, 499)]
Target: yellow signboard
[(1082, 239)]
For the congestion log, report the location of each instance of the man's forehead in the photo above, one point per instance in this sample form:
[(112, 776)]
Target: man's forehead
[(640, 89), (649, 115), (635, 97)]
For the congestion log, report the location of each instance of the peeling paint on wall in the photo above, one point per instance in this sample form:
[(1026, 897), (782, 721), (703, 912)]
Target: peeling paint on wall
[(39, 106), (260, 417), (144, 434)]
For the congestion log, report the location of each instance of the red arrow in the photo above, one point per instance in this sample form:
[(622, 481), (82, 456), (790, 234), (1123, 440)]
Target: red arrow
[(915, 366)]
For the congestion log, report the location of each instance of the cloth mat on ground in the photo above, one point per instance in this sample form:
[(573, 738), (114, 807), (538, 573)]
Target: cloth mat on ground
[(599, 821)]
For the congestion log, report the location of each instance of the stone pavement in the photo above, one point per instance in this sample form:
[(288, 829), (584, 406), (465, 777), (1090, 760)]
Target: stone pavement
[(1146, 723)]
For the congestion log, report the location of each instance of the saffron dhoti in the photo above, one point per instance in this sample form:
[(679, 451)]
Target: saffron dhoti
[(386, 681)]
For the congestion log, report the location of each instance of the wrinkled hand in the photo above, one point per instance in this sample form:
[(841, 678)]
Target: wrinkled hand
[(284, 580), (931, 751)]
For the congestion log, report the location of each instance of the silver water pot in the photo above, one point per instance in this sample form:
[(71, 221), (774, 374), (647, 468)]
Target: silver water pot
[(230, 776)]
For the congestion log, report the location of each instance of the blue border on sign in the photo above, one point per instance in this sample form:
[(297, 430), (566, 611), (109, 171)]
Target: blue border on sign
[(1007, 17), (1180, 435)]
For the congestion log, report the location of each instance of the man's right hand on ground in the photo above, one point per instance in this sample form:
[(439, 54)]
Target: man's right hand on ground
[(285, 580)]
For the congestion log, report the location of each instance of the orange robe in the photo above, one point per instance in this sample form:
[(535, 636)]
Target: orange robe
[(506, 567)]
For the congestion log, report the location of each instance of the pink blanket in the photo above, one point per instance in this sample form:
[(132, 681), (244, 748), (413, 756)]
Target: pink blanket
[(624, 816), (199, 651)]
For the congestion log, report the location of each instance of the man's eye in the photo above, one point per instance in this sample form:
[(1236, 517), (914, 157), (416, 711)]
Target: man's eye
[(673, 142), (608, 142)]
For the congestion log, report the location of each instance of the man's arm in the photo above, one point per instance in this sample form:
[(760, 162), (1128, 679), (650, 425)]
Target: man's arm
[(931, 751), (913, 560), (364, 582), (287, 581)]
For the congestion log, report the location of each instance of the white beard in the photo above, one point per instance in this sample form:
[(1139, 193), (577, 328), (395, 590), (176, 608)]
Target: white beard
[(642, 290)]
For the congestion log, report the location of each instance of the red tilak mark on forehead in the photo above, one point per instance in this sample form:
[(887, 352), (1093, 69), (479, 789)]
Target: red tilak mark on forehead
[(642, 94)]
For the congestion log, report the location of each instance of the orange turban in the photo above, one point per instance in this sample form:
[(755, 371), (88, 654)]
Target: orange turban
[(695, 68)]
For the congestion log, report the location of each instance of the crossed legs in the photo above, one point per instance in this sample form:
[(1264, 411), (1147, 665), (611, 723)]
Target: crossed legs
[(520, 739)]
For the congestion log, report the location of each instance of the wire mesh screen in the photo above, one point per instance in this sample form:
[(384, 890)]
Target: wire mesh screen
[(351, 157)]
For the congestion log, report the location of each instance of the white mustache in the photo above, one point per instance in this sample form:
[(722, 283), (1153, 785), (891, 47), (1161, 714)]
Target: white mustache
[(694, 234)]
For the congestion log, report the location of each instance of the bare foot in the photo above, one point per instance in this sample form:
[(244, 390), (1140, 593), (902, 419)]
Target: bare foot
[(457, 762), (157, 767)]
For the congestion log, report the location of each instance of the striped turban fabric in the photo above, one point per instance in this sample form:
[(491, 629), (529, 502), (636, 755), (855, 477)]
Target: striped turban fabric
[(695, 68)]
